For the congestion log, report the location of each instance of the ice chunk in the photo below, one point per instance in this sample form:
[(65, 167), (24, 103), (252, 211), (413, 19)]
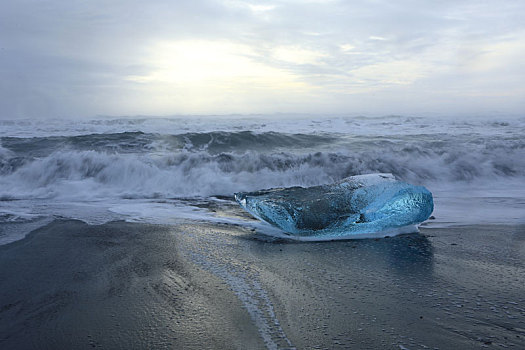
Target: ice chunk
[(356, 206)]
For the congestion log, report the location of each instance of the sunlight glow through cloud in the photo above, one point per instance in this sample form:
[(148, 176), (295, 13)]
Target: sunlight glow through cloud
[(210, 74), (198, 61), (243, 56)]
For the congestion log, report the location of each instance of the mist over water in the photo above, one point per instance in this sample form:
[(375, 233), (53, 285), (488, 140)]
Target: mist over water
[(145, 164)]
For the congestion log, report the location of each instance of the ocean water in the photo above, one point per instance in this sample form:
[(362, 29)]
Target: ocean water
[(167, 170)]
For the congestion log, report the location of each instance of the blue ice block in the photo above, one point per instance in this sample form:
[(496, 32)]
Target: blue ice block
[(355, 206)]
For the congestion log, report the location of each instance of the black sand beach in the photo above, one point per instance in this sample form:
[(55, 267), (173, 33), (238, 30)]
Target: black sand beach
[(116, 286), (136, 286)]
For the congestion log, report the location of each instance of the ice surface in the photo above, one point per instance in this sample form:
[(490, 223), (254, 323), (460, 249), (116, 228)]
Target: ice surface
[(355, 206)]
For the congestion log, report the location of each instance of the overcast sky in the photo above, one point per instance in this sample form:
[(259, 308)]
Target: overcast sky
[(129, 57)]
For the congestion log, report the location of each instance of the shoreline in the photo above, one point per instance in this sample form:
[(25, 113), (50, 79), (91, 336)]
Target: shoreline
[(205, 285)]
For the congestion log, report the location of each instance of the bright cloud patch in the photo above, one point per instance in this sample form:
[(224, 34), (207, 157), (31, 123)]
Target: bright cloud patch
[(203, 75), (197, 61), (391, 73), (298, 55)]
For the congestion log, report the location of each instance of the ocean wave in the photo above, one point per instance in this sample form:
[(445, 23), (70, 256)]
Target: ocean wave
[(292, 124), (139, 142), (156, 170), (90, 174)]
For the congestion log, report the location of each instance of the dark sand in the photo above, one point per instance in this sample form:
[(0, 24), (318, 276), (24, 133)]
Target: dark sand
[(193, 286), (116, 286)]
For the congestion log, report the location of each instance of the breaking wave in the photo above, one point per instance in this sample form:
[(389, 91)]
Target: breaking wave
[(141, 165)]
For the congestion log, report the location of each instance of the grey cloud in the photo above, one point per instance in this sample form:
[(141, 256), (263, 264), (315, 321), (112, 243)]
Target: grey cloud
[(71, 57)]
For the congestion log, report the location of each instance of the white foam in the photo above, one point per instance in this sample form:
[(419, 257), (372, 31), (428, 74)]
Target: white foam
[(89, 175)]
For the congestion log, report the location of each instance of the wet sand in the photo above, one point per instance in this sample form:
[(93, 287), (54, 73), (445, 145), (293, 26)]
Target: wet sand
[(116, 286), (218, 286)]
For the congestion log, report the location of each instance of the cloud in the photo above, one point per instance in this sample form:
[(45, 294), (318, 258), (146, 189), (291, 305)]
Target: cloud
[(298, 55), (218, 56)]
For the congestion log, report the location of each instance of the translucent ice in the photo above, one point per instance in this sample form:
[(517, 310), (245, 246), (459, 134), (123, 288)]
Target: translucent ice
[(364, 205)]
